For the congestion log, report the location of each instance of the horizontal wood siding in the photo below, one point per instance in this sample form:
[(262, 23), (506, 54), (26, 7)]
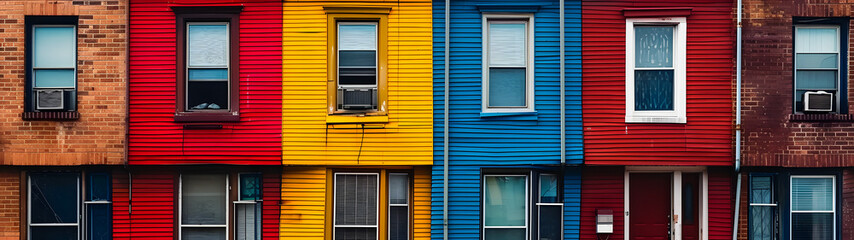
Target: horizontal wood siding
[(270, 215), (152, 207), (154, 136), (721, 200), (406, 139), (706, 138)]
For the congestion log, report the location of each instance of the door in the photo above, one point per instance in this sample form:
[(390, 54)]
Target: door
[(649, 206), (691, 206)]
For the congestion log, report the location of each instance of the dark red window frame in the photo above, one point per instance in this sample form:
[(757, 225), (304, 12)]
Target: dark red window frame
[(230, 14)]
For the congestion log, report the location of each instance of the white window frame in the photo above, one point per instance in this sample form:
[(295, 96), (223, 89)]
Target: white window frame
[(376, 50), (187, 67), (30, 223), (33, 67), (792, 212), (408, 209), (676, 197), (527, 205), (836, 98), (246, 202), (541, 203), (528, 19), (335, 200), (181, 224), (677, 115)]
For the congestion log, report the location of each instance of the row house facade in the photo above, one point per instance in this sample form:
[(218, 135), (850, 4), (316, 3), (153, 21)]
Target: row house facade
[(62, 120), (502, 169), (797, 166)]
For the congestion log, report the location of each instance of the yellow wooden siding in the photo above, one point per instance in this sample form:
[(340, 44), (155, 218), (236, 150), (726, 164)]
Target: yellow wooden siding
[(405, 139), (306, 192)]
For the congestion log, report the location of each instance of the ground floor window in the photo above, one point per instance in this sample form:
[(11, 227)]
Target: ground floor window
[(813, 207), (793, 205), (62, 205), (203, 208), (508, 212), (358, 205)]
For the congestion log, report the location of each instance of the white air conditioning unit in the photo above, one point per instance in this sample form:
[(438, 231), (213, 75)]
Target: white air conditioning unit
[(50, 99), (357, 98), (818, 101)]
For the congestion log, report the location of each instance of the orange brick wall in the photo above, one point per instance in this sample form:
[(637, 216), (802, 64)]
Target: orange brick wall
[(10, 195), (98, 136)]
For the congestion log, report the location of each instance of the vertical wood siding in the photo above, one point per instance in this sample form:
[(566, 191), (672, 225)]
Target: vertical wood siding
[(154, 136), (407, 137), (523, 141), (706, 139)]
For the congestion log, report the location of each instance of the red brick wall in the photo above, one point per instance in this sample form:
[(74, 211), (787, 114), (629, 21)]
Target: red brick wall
[(10, 208), (98, 136), (848, 203), (770, 137)]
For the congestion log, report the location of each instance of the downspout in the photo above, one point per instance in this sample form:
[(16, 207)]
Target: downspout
[(562, 90), (445, 113), (737, 121)]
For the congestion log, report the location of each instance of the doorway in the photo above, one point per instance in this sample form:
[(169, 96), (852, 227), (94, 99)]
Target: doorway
[(666, 203)]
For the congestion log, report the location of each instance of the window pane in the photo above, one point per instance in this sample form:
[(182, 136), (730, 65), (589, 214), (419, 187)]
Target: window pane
[(53, 233), (54, 47), (398, 218), (812, 194), (356, 199), (54, 78), (505, 201), (548, 188), (203, 199), (357, 58), (209, 95), (355, 233), (504, 234), (250, 187), (192, 233), (762, 220), (760, 189), (507, 44), (208, 74), (816, 40), (356, 77), (551, 219), (814, 60), (816, 79), (398, 189), (357, 36), (207, 44), (654, 46), (98, 187), (653, 90), (248, 221), (812, 226), (98, 222), (53, 197), (507, 87)]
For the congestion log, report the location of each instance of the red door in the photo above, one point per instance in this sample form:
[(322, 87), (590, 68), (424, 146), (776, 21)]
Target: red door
[(691, 206), (649, 206)]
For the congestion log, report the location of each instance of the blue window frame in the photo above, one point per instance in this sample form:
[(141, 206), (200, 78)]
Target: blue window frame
[(98, 206)]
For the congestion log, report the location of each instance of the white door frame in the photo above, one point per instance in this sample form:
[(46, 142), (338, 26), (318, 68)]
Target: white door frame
[(676, 197)]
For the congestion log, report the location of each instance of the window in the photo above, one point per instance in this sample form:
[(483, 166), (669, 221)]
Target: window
[(54, 206), (398, 206), (763, 208), (813, 209), (508, 79), (357, 65), (203, 209), (655, 70), (358, 205), (248, 207), (208, 50), (51, 64), (817, 63), (550, 209), (505, 208)]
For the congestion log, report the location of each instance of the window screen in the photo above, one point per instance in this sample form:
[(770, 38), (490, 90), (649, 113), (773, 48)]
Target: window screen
[(507, 50), (54, 66), (54, 206), (505, 207), (813, 208), (203, 206), (816, 62), (207, 66), (356, 205), (654, 72), (248, 208)]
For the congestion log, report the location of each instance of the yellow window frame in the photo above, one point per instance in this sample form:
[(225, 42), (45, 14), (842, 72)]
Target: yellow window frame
[(382, 225)]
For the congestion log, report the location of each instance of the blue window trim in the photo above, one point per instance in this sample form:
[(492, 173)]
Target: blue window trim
[(775, 195)]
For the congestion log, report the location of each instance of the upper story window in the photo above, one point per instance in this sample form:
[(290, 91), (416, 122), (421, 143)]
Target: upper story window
[(357, 66), (207, 80), (817, 69), (51, 65), (508, 74), (655, 70)]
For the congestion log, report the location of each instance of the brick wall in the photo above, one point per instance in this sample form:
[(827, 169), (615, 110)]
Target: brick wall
[(97, 137), (771, 137), (10, 195)]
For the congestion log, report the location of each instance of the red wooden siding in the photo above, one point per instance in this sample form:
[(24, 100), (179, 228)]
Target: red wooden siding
[(706, 139), (272, 195), (721, 198), (154, 136)]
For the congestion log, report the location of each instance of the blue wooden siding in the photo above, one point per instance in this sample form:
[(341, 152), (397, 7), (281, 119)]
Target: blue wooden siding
[(524, 141)]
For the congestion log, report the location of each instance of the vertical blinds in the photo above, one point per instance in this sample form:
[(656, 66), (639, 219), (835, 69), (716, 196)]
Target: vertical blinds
[(356, 198)]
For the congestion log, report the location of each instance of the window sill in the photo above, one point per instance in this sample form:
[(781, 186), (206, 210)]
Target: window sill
[(510, 115), (50, 116), (207, 117), (343, 119), (830, 117), (654, 120)]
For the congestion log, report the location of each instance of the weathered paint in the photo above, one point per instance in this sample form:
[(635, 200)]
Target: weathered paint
[(525, 141), (313, 137), (306, 210), (155, 138), (706, 138)]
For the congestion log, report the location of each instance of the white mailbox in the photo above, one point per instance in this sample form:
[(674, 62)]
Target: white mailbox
[(604, 221)]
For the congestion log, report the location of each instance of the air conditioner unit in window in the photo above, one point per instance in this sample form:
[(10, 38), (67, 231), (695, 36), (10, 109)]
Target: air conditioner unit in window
[(357, 98), (818, 101), (50, 99)]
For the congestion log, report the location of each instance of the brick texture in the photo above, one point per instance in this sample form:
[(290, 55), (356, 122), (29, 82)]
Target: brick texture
[(98, 136), (10, 208)]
